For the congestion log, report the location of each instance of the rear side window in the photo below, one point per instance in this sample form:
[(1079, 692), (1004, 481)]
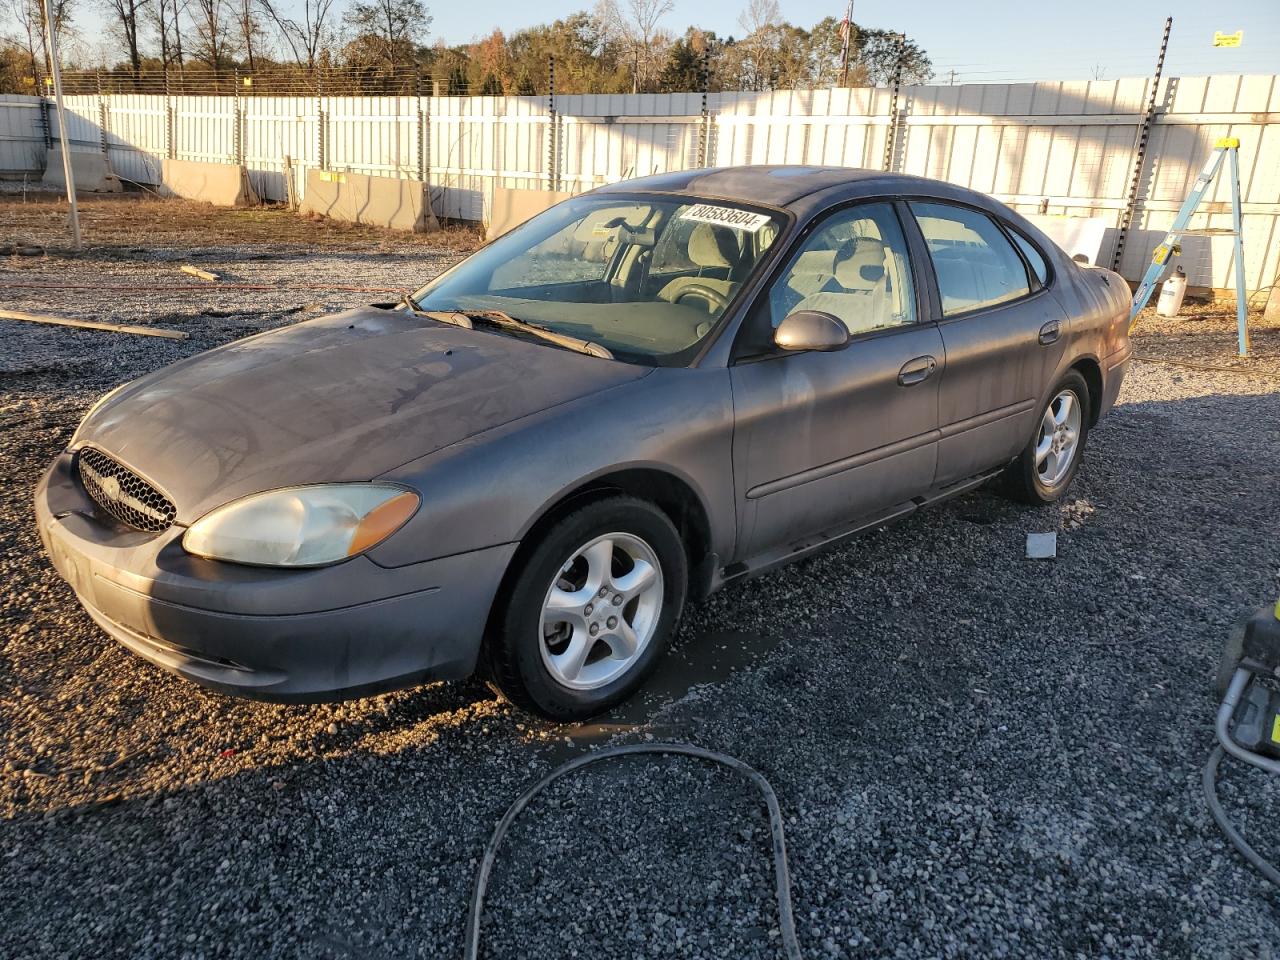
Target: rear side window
[(974, 261), (1034, 257)]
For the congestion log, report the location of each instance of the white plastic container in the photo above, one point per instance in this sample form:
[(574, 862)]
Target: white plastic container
[(1171, 293)]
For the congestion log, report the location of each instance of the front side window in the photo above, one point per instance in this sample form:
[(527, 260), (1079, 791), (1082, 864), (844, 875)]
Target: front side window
[(646, 278), (853, 266), (974, 261)]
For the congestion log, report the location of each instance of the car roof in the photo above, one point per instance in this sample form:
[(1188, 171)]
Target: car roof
[(778, 185)]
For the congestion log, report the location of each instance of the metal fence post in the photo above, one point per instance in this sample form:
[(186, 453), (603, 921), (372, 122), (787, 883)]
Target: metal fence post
[(237, 134), (1140, 152), (46, 127), (891, 135), (321, 160), (170, 127), (553, 172), (103, 118), (421, 135), (704, 128)]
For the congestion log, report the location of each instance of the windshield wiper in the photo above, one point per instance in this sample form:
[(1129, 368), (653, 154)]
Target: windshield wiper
[(466, 318)]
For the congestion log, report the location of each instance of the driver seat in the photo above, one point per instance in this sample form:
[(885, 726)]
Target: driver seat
[(710, 247)]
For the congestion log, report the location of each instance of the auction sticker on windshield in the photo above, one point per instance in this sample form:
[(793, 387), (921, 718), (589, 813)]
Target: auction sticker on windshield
[(726, 217)]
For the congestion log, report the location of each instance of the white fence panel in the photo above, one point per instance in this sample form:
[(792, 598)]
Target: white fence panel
[(22, 146), (280, 132)]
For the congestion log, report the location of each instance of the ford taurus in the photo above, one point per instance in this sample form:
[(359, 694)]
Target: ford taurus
[(531, 464)]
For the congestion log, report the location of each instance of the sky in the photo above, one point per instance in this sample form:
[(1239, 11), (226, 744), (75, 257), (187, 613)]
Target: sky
[(986, 40), (991, 41)]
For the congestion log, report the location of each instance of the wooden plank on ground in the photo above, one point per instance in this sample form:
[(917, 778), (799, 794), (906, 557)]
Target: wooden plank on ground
[(197, 272), (94, 325)]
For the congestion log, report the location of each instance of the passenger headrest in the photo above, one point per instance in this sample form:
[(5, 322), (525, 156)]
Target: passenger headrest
[(712, 246), (815, 261), (860, 263)]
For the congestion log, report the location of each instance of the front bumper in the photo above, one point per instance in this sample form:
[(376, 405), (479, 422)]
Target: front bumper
[(330, 633)]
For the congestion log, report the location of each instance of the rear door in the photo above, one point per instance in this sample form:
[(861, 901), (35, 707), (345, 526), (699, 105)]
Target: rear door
[(1002, 331), (822, 440)]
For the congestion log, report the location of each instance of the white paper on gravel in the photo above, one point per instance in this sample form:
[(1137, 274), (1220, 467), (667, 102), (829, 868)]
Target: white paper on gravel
[(1042, 546)]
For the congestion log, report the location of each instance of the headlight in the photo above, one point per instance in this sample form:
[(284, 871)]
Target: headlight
[(302, 526)]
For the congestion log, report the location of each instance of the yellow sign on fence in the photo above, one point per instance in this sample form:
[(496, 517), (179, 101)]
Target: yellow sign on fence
[(1221, 39)]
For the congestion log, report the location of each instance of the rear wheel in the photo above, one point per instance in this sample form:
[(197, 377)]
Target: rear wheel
[(1048, 464), (590, 610)]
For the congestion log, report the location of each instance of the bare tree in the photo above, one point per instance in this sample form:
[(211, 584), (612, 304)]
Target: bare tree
[(179, 8), (214, 47), (307, 35), (163, 21), (758, 15), (129, 17), (758, 53), (636, 25), (386, 31), (30, 18), (28, 21), (250, 28)]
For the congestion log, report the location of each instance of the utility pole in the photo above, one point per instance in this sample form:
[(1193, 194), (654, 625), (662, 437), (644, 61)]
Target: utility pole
[(51, 35), (846, 34)]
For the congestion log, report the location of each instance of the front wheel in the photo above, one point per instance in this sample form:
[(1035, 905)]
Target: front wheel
[(1048, 464), (590, 610)]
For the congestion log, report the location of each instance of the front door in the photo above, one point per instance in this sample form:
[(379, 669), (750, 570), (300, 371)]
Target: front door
[(822, 440)]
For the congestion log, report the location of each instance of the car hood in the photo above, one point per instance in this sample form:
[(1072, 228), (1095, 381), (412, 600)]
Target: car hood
[(346, 397)]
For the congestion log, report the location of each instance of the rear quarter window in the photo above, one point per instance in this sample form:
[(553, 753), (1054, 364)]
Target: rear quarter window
[(1035, 258)]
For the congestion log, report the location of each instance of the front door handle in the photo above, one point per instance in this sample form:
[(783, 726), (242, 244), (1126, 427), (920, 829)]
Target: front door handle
[(917, 371), (1050, 332)]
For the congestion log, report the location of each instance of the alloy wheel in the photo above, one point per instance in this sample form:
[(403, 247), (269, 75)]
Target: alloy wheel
[(1059, 439), (601, 611)]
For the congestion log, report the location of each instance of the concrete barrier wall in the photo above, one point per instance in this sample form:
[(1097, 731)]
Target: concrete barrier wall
[(375, 201), (222, 184), (510, 208), (89, 170)]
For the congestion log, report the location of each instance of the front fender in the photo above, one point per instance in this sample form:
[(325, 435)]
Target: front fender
[(491, 488)]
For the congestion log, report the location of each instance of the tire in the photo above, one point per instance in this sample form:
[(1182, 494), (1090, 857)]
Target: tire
[(538, 663), (1039, 479)]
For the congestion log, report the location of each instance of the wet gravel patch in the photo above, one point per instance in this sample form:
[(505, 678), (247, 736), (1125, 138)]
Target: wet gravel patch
[(977, 755)]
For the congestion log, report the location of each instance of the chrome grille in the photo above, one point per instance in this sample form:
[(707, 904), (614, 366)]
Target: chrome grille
[(123, 494)]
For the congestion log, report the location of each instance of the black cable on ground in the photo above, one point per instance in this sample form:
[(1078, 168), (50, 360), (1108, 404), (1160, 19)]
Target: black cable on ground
[(786, 919), (1210, 781)]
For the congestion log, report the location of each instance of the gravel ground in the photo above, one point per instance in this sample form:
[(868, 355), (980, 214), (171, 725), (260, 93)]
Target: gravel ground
[(977, 755)]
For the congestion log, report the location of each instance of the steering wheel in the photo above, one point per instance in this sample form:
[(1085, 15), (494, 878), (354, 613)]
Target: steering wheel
[(714, 297)]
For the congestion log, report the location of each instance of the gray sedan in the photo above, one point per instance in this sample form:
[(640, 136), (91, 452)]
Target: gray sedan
[(531, 464)]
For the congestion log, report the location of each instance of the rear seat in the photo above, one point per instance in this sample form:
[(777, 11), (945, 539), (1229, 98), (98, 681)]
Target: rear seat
[(966, 279)]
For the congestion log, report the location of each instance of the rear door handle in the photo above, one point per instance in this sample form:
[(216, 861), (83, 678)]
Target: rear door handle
[(1050, 331), (917, 371)]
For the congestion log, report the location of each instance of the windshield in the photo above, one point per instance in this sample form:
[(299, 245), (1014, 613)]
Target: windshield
[(645, 278)]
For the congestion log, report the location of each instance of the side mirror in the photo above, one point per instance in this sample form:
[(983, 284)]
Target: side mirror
[(811, 330)]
